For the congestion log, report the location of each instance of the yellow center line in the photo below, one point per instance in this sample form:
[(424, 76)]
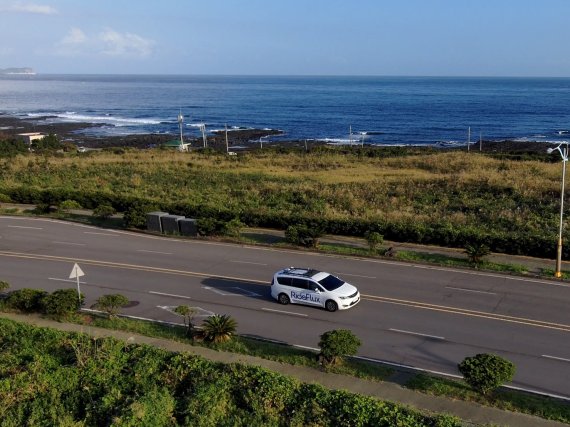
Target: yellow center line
[(127, 266), (470, 313), (395, 301)]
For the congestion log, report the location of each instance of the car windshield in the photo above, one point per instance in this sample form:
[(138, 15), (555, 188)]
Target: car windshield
[(330, 283)]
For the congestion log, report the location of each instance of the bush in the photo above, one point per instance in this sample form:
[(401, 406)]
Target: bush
[(210, 227), (219, 328), (111, 304), (486, 372), (28, 300), (43, 208), (4, 285), (337, 343), (476, 252), (233, 227), (104, 211), (374, 240), (135, 215), (62, 303), (68, 205), (304, 235), (188, 314)]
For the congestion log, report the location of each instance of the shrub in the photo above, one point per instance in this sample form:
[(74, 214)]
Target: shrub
[(210, 226), (135, 215), (62, 303), (42, 208), (219, 328), (374, 240), (28, 300), (476, 252), (486, 372), (304, 235), (337, 343), (104, 211), (68, 205), (4, 285), (233, 227), (111, 304), (4, 198), (188, 314)]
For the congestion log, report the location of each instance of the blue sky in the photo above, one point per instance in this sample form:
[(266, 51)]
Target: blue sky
[(293, 37)]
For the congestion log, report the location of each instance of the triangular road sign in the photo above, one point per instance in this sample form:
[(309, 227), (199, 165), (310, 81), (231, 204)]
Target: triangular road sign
[(76, 272)]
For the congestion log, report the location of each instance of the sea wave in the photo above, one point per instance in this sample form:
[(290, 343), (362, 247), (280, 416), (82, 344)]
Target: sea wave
[(108, 119)]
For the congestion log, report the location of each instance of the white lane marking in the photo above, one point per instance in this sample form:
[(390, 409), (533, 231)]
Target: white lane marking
[(102, 234), (556, 358), (169, 295), (304, 347), (470, 290), (355, 275), (66, 280), (154, 252), (23, 226), (247, 262), (285, 312), (416, 333), (198, 311), (69, 243)]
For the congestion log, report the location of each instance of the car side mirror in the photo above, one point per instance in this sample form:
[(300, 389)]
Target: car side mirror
[(317, 290)]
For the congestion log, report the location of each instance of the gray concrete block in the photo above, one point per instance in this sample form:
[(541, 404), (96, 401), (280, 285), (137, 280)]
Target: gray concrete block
[(170, 223), (153, 222), (188, 227)]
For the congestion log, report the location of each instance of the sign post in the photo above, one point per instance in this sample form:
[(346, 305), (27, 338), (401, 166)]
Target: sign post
[(76, 273)]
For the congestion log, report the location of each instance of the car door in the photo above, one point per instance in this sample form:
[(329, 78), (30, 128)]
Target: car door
[(301, 292)]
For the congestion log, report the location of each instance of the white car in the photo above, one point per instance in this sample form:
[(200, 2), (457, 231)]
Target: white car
[(313, 287)]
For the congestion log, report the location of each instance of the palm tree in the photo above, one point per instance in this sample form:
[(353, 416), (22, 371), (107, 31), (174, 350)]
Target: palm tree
[(219, 328)]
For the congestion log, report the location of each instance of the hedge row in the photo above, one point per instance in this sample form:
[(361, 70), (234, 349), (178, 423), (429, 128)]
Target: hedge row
[(51, 377), (438, 233)]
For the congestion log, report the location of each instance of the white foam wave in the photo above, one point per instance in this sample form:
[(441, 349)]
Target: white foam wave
[(108, 119)]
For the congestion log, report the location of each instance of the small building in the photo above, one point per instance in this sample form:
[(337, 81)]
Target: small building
[(31, 136)]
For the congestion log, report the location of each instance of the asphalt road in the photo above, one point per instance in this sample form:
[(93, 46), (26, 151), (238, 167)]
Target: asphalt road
[(414, 315)]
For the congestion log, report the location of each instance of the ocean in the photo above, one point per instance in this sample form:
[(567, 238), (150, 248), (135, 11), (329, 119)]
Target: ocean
[(370, 110)]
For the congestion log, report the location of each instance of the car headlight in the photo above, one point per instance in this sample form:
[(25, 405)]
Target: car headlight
[(344, 297)]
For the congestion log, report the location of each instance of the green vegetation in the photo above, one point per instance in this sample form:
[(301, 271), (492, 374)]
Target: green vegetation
[(56, 378), (544, 407), (486, 372), (428, 197), (304, 235), (476, 252), (219, 328), (4, 285), (337, 344), (62, 303), (374, 240), (188, 314), (111, 304)]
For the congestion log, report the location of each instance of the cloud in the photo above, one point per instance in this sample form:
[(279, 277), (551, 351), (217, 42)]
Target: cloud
[(125, 44), (109, 43), (74, 37), (21, 7)]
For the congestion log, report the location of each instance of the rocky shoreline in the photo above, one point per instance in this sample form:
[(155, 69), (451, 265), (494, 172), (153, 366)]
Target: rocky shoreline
[(237, 138)]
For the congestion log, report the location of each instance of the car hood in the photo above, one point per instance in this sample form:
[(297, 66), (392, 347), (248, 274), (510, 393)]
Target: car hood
[(346, 290)]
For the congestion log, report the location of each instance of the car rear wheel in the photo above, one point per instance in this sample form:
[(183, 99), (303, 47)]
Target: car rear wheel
[(331, 306), (283, 299)]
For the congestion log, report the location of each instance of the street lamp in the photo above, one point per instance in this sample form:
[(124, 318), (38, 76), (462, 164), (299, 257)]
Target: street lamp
[(564, 154)]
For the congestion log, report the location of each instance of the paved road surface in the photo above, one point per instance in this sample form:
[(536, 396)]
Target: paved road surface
[(426, 317)]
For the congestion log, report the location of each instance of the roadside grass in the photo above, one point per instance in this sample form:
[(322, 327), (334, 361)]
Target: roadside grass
[(275, 351), (449, 261), (512, 400), (549, 272)]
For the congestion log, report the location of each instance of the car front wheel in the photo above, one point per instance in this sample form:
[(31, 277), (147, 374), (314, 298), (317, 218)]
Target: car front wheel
[(331, 306), (284, 299)]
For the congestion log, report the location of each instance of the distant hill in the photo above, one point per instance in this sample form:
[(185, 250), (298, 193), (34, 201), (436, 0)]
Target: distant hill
[(25, 70)]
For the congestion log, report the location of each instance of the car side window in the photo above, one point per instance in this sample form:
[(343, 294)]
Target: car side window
[(285, 281), (299, 283), (313, 286)]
